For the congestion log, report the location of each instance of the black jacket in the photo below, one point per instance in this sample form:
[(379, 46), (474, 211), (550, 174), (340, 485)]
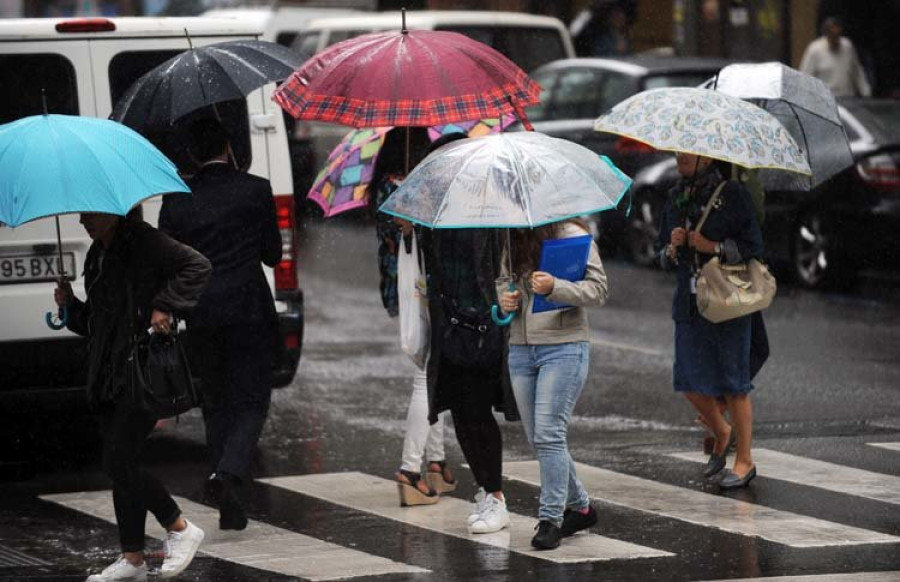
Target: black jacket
[(163, 274), (231, 220)]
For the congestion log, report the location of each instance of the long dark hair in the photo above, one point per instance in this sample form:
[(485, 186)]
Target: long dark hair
[(526, 243)]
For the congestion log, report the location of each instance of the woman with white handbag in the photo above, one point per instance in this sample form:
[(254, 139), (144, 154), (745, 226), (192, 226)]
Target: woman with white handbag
[(711, 221)]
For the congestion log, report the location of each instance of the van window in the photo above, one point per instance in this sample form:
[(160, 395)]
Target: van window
[(527, 47), (22, 78), (307, 43), (337, 36), (127, 67), (285, 38)]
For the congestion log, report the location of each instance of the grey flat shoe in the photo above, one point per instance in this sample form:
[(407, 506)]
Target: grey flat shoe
[(732, 481), (715, 464)]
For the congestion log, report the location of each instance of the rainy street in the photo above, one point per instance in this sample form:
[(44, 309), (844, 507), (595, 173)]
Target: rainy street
[(323, 505)]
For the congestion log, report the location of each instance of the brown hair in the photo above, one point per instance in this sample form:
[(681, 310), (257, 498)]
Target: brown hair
[(526, 243)]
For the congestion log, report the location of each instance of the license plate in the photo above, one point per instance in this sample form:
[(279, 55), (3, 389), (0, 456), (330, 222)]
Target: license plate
[(33, 268)]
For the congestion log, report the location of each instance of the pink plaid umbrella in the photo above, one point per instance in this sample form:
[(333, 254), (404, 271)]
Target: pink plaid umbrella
[(344, 181), (407, 78)]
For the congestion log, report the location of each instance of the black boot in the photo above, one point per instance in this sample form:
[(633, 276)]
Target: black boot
[(224, 489), (547, 537)]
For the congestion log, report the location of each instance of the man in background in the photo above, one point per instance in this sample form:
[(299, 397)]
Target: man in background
[(231, 220), (833, 59)]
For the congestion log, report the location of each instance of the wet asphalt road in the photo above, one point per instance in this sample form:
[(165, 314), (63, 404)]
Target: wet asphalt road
[(829, 392)]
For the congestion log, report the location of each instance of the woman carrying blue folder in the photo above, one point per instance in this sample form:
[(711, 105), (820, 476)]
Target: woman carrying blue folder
[(549, 354)]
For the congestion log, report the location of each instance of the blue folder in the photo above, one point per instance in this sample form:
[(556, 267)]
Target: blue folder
[(564, 258)]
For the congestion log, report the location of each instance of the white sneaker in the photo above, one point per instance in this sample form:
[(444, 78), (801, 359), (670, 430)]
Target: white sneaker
[(479, 502), (121, 570), (180, 549), (493, 518)]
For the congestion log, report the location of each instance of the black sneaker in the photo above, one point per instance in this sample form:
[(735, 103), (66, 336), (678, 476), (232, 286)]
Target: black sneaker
[(547, 537), (575, 521)]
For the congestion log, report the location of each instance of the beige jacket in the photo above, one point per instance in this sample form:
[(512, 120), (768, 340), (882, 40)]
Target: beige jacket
[(561, 325)]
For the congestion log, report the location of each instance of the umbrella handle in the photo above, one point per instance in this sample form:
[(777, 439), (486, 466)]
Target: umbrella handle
[(63, 318), (495, 311)]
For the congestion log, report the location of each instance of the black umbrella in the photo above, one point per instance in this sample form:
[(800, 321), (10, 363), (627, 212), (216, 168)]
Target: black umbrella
[(201, 77)]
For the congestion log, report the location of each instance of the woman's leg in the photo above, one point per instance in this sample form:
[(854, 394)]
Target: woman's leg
[(135, 491), (708, 409), (562, 374), (741, 411), (482, 445), (523, 375), (418, 431)]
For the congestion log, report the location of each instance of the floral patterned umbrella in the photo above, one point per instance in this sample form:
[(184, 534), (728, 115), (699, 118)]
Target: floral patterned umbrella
[(706, 123), (343, 183)]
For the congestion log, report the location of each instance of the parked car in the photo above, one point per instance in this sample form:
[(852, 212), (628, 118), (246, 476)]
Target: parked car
[(577, 91), (526, 39), (84, 65), (826, 236)]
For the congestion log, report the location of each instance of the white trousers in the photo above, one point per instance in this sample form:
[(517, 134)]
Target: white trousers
[(423, 441)]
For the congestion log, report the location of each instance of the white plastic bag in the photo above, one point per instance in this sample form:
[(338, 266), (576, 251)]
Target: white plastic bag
[(412, 294)]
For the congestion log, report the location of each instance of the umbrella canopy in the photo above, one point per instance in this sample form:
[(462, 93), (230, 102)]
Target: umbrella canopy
[(407, 78), (60, 164), (344, 181), (805, 106), (507, 180), (200, 77), (706, 123)]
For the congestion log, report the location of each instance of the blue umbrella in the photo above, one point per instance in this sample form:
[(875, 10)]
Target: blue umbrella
[(63, 164)]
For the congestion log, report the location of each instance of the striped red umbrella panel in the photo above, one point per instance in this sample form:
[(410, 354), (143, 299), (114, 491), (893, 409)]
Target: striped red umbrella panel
[(407, 78)]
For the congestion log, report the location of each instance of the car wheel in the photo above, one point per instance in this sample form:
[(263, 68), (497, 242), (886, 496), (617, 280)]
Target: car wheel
[(642, 232), (815, 263)]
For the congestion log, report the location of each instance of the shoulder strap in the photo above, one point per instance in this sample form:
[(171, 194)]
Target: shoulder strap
[(709, 205)]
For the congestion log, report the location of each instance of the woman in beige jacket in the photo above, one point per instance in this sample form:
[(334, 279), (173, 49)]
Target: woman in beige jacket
[(549, 355)]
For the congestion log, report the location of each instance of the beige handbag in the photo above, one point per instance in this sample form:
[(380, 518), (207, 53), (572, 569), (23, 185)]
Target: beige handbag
[(730, 291)]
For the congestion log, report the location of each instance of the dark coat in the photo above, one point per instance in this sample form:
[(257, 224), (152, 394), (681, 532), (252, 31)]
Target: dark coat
[(230, 219), (477, 254), (163, 274)]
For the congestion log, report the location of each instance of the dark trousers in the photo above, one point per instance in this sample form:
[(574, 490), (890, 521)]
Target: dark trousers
[(135, 491), (233, 363), (476, 428)]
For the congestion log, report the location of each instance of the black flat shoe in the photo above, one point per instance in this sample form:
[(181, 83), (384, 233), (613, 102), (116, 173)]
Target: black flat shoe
[(732, 481), (717, 462), (547, 537), (575, 521)]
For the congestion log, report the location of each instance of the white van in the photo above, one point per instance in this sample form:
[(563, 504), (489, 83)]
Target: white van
[(526, 39), (279, 24), (84, 65)]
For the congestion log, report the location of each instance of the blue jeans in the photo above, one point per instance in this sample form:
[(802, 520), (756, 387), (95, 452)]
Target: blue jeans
[(547, 380)]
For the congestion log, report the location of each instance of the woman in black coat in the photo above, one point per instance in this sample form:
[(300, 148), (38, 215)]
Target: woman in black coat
[(136, 278)]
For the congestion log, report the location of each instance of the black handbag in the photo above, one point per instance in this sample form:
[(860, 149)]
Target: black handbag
[(469, 338), (161, 381)]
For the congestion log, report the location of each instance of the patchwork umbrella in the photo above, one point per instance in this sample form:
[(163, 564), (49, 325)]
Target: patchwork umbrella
[(407, 78), (343, 183), (706, 123), (64, 164), (803, 105)]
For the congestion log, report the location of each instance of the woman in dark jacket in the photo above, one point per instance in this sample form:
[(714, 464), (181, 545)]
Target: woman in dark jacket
[(136, 278), (712, 360)]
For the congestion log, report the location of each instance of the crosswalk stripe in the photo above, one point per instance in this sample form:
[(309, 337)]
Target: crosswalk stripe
[(261, 545), (378, 496), (814, 473), (854, 577), (707, 510), (888, 446)]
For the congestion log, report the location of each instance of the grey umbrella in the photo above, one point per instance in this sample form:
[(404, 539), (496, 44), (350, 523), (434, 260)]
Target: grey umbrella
[(806, 108), (200, 77)]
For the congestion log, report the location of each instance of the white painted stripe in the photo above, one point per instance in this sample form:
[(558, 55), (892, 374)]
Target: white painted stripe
[(854, 577), (379, 496), (888, 446), (819, 474), (260, 546), (707, 510), (627, 347)]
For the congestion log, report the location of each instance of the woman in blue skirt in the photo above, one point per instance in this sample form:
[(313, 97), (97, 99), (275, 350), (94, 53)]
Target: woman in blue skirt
[(712, 360)]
